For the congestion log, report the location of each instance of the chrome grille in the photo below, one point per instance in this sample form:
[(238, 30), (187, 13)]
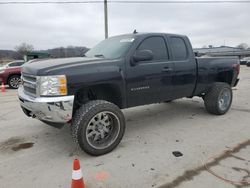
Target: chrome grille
[(29, 84)]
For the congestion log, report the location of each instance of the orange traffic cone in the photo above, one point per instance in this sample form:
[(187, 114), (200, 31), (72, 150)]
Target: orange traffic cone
[(3, 88), (77, 178)]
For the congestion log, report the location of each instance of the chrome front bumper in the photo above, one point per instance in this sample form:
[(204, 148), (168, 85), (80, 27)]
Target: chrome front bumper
[(48, 109)]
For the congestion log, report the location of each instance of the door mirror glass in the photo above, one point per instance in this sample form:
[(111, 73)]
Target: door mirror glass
[(143, 55)]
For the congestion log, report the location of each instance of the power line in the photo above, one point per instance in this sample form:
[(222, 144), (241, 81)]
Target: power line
[(181, 2), (50, 2), (129, 2)]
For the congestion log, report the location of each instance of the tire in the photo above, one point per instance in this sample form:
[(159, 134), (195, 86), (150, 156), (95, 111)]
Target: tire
[(98, 119), (14, 81), (219, 99)]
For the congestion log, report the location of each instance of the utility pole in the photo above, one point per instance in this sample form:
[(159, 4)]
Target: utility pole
[(106, 18)]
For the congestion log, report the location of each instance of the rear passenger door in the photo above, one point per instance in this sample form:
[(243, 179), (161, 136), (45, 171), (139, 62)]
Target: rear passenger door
[(185, 66)]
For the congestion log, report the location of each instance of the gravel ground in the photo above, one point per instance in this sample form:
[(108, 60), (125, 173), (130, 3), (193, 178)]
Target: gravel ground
[(35, 155)]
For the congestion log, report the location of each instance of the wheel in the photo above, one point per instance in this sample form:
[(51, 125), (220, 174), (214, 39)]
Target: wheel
[(98, 127), (219, 99), (14, 81)]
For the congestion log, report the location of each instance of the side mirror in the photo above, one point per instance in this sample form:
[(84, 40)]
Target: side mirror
[(143, 55)]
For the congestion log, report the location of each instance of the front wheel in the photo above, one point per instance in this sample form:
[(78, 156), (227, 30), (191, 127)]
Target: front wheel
[(219, 99), (14, 81), (98, 127)]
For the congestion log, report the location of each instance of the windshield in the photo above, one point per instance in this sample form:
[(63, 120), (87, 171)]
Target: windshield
[(15, 64), (111, 48)]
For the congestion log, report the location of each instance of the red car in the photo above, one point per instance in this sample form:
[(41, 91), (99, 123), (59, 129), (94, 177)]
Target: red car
[(10, 74)]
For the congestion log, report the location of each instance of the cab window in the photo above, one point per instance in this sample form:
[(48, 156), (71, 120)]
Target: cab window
[(157, 46), (179, 49)]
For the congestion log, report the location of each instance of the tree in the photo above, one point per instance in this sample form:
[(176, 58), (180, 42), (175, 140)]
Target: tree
[(24, 48), (242, 46)]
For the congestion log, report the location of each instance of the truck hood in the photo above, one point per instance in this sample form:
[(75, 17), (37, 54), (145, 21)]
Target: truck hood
[(44, 67)]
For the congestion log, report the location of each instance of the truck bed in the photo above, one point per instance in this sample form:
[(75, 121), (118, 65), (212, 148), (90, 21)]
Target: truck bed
[(215, 69)]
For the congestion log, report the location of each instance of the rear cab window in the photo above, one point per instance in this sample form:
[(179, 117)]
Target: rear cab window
[(179, 49)]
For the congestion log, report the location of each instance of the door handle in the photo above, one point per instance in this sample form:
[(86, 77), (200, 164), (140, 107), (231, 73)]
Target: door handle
[(167, 69)]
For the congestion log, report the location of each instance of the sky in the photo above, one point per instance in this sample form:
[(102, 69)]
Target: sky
[(47, 26)]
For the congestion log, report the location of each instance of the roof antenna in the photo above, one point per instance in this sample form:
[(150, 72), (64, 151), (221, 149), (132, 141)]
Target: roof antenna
[(134, 32)]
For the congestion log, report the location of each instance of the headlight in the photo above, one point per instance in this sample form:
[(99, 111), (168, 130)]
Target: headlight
[(52, 85)]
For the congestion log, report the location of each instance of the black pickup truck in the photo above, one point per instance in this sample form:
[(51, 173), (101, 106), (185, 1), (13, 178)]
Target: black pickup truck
[(121, 72)]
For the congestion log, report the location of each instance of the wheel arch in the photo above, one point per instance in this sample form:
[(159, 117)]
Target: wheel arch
[(108, 92), (10, 75)]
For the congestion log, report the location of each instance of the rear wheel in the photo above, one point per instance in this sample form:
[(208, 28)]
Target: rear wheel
[(14, 81), (219, 99), (98, 127)]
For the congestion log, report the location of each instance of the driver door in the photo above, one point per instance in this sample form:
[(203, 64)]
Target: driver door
[(150, 81)]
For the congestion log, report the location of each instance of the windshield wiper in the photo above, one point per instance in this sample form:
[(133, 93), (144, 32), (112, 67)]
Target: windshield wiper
[(99, 55)]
